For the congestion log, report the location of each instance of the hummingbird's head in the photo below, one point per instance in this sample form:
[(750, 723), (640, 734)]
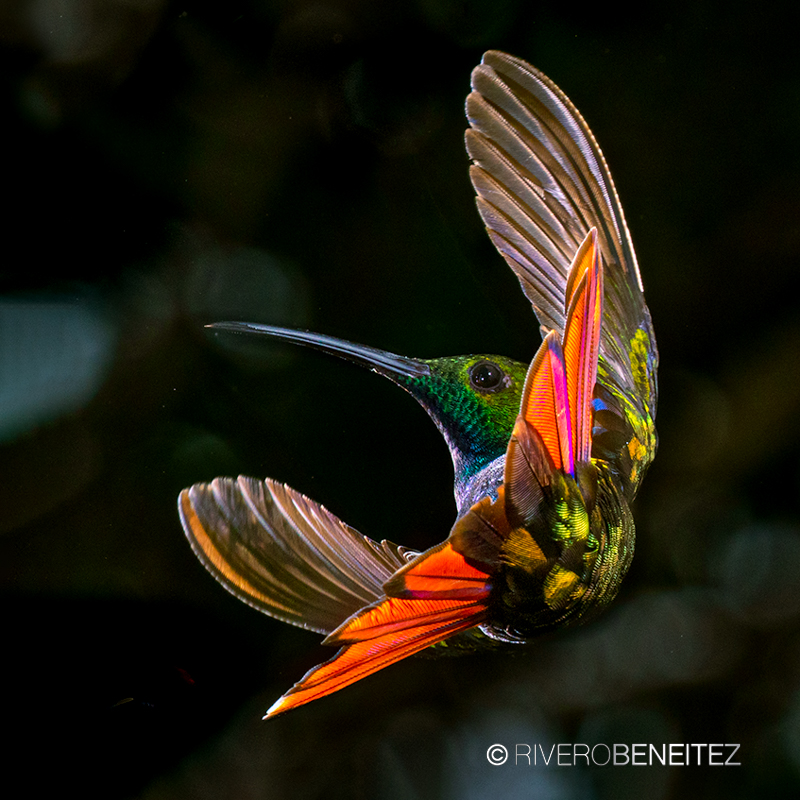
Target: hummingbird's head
[(473, 400)]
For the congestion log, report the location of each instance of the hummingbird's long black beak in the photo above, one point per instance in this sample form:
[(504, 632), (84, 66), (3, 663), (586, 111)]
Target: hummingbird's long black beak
[(397, 368)]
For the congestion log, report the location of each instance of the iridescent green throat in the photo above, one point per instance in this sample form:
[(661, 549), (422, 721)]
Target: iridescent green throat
[(474, 401)]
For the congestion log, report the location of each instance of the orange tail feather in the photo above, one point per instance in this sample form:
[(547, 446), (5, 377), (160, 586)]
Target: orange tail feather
[(378, 636), (582, 341)]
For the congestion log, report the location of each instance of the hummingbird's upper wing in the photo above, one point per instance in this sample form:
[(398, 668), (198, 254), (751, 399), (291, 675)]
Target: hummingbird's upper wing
[(284, 554), (542, 184)]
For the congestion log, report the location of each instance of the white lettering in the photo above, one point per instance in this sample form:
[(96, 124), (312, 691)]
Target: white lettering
[(547, 759), (728, 762), (662, 757), (608, 751), (673, 755), (578, 755), (624, 749), (699, 748), (527, 755)]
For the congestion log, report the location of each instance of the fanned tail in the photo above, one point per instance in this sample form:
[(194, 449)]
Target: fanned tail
[(378, 636), (431, 599)]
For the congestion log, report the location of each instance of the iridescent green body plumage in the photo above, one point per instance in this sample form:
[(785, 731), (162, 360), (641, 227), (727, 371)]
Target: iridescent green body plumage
[(592, 548), (625, 432)]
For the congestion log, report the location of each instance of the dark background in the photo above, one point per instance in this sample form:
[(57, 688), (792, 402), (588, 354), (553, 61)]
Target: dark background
[(170, 164)]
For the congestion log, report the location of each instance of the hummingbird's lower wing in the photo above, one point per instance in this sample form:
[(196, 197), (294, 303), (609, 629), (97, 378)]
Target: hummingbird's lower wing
[(284, 554)]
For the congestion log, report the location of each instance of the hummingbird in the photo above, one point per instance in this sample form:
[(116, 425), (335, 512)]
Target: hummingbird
[(548, 456)]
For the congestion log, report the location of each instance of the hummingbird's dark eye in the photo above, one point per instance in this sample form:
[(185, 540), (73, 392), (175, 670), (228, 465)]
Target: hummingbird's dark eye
[(486, 376)]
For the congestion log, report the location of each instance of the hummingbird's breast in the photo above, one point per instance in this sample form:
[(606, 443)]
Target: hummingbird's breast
[(483, 483)]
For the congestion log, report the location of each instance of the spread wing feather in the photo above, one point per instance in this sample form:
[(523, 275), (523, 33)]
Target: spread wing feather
[(284, 554), (542, 184)]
